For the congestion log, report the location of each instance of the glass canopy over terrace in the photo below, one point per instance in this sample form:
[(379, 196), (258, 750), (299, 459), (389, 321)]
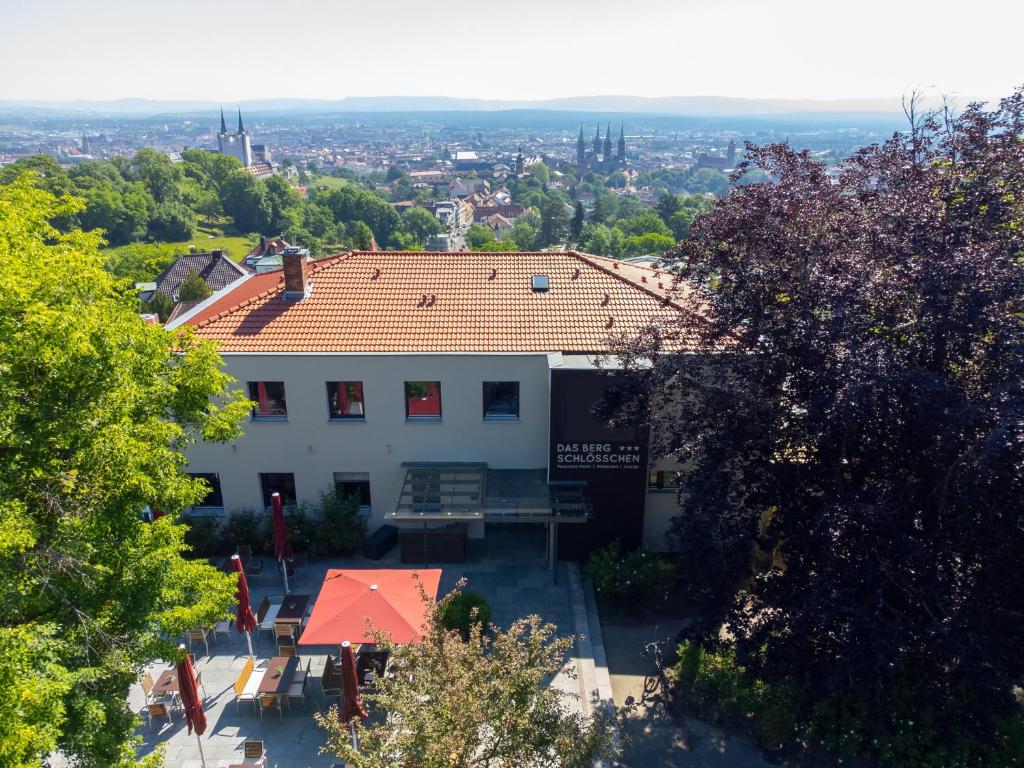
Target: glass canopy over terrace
[(467, 492)]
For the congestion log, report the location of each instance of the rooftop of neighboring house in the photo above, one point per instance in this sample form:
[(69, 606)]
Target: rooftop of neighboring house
[(216, 269), (378, 301)]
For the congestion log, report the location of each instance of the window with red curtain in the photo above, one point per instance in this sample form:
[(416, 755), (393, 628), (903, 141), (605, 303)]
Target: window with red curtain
[(345, 400), (423, 399), (269, 399)]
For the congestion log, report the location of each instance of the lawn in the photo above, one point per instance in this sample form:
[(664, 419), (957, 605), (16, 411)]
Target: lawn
[(207, 238), (331, 182)]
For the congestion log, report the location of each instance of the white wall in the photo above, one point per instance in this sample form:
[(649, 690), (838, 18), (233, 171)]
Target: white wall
[(313, 448)]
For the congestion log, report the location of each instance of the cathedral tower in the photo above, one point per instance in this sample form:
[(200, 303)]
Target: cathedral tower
[(621, 157), (581, 149), (607, 155)]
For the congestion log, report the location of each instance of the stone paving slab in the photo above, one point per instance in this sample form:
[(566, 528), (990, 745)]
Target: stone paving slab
[(514, 588)]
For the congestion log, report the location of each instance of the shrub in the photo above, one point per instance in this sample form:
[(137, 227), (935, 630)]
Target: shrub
[(203, 536), (636, 577), (303, 528), (341, 529), (464, 610), (244, 527)]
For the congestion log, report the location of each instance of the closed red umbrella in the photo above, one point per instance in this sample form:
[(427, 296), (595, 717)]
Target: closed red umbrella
[(189, 692), (282, 547), (245, 621), (353, 702), (188, 689)]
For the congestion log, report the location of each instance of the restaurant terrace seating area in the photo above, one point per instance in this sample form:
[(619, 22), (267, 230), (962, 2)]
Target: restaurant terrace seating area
[(270, 700)]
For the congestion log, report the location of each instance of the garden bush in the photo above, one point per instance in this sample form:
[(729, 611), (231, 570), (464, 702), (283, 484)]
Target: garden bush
[(244, 527), (636, 577), (341, 528), (902, 731), (203, 535), (464, 610)]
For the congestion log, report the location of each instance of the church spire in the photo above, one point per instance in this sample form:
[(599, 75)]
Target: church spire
[(223, 125), (608, 143), (581, 149), (241, 128), (622, 142)]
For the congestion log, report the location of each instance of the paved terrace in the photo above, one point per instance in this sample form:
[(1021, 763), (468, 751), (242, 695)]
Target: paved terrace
[(508, 569)]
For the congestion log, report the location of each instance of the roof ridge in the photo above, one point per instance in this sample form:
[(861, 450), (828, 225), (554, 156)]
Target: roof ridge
[(663, 300), (317, 266)]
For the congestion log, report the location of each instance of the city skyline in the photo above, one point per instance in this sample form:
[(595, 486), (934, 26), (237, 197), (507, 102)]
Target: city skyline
[(735, 48)]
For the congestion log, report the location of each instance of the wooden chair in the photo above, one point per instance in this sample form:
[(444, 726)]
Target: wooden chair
[(270, 701), (284, 634), (253, 750), (198, 635), (158, 709), (147, 686), (286, 650)]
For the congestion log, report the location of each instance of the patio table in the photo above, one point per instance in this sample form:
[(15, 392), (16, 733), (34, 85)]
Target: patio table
[(278, 685), (166, 682), (293, 609)]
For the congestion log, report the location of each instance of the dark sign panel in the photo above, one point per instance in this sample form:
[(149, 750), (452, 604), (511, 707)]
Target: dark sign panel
[(613, 463)]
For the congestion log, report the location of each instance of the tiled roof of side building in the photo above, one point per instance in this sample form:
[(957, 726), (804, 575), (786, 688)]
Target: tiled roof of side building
[(439, 302), (214, 267)]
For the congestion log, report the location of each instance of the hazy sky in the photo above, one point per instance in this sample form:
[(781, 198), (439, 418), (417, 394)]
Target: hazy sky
[(226, 51)]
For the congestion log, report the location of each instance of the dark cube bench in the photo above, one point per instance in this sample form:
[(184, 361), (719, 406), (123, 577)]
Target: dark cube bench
[(380, 542)]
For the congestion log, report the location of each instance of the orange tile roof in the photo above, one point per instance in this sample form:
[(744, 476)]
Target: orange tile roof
[(440, 302)]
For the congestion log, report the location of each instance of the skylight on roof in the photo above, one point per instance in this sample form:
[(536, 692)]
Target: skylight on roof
[(539, 283)]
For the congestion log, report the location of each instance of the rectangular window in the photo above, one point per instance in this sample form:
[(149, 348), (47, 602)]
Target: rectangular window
[(662, 481), (345, 400), (423, 400), (277, 482), (268, 397), (501, 400), (214, 497), (355, 484)]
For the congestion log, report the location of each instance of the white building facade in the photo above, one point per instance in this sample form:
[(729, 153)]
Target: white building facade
[(514, 423)]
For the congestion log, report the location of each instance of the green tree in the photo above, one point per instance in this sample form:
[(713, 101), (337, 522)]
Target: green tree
[(420, 224), (193, 287), (668, 206), (158, 174), (173, 222), (161, 305), (94, 412), (478, 236), (358, 235), (525, 231), (576, 225), (540, 172), (554, 223), (646, 222), (501, 677)]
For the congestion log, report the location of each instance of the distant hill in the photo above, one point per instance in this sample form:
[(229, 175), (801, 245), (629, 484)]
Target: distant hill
[(706, 106)]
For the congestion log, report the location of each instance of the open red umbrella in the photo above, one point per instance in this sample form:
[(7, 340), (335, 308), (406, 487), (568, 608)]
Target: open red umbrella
[(352, 705), (282, 547), (188, 689), (389, 598), (245, 621)]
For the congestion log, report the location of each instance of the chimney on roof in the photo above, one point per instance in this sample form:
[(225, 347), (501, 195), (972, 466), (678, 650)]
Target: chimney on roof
[(217, 253), (263, 244), (296, 273)]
